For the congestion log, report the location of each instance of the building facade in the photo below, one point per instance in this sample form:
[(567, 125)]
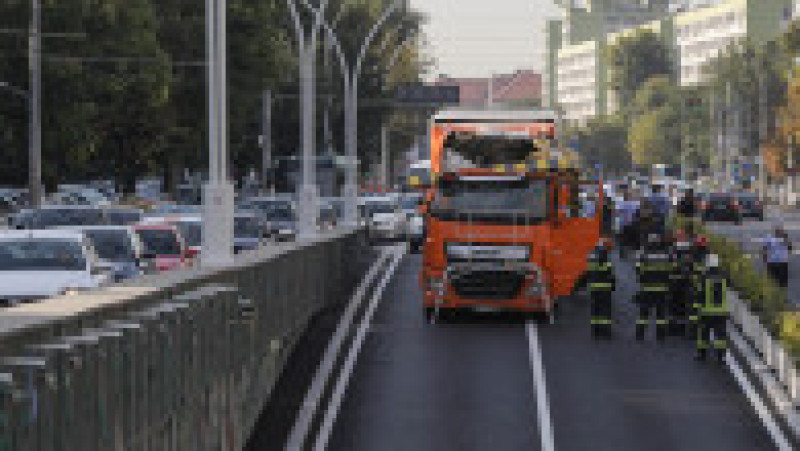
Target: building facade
[(696, 30)]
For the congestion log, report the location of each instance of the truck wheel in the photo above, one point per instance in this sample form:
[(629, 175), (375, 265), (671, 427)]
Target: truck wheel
[(429, 315)]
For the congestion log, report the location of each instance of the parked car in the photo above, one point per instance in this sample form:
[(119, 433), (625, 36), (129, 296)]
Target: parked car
[(249, 231), (751, 206), (721, 207), (120, 246), (79, 195), (163, 247), (35, 264)]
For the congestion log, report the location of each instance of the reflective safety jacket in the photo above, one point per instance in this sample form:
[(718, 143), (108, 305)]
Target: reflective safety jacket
[(715, 296), (654, 270), (600, 276)]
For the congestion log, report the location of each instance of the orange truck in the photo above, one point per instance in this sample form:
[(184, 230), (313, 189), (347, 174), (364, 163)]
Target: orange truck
[(509, 223)]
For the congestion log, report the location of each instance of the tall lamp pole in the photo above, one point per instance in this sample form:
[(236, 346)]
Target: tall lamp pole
[(217, 249), (351, 75)]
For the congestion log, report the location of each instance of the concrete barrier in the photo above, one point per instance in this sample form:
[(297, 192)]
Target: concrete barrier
[(181, 360)]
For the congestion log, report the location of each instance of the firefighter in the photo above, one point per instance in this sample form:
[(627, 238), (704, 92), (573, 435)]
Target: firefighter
[(713, 312), (601, 283), (699, 256), (653, 269), (682, 289)]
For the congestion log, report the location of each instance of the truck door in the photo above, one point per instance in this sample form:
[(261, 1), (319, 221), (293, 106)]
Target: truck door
[(575, 232)]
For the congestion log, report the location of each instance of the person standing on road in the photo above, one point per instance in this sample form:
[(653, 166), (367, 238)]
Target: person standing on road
[(601, 283), (653, 270), (777, 248), (713, 312), (682, 292), (687, 206), (626, 212)]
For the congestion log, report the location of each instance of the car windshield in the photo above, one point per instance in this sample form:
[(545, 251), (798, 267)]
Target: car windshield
[(192, 232), (246, 227), (112, 245), (371, 208), (159, 241), (279, 213), (41, 255), (56, 217), (411, 203), (122, 217), (493, 197)]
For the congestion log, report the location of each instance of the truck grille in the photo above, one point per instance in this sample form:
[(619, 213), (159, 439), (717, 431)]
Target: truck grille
[(487, 284)]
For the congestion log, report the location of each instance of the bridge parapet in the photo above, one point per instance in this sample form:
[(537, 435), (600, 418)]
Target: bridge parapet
[(181, 360)]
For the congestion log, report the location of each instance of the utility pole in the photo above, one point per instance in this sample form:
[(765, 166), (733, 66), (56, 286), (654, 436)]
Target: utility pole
[(34, 108), (762, 135), (266, 140)]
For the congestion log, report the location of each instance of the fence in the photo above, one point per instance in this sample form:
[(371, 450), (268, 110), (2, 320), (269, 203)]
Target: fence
[(177, 361)]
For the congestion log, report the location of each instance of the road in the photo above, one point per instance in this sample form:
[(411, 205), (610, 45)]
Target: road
[(751, 234), (469, 385)]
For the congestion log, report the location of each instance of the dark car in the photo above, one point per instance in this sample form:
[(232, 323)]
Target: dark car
[(722, 207), (57, 216), (751, 206)]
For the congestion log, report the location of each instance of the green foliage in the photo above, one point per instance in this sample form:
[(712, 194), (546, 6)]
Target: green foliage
[(763, 295), (634, 60), (603, 141), (124, 93)]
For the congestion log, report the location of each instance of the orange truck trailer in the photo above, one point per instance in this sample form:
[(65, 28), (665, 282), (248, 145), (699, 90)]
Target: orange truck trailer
[(509, 223)]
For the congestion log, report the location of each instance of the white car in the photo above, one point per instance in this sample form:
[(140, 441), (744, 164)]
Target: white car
[(36, 264), (384, 218)]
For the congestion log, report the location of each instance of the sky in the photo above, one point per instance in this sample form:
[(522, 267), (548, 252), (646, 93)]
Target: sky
[(475, 38)]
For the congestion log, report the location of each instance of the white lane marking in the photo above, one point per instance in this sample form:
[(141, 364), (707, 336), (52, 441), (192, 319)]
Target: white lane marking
[(311, 402), (349, 365), (758, 404), (540, 389)]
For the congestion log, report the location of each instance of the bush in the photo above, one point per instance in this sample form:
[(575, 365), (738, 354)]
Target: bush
[(763, 295)]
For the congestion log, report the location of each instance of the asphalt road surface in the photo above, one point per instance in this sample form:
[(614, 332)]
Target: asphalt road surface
[(469, 384)]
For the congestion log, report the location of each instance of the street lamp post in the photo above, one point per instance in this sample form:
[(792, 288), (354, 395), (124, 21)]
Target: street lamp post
[(307, 45), (351, 75), (217, 249), (35, 127)]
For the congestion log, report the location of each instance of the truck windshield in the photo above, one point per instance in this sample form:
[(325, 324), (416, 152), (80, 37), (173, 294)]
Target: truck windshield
[(492, 199), (41, 255)]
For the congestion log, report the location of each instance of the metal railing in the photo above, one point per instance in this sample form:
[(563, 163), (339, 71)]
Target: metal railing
[(182, 360), (776, 359)]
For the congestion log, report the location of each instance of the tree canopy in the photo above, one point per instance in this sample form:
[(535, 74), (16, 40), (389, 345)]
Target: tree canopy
[(124, 83)]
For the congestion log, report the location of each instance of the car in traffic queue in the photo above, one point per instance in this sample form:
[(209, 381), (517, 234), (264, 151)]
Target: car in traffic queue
[(120, 247), (249, 231), (166, 209), (163, 248), (36, 264), (721, 207), (279, 212), (751, 206), (190, 228), (48, 216), (384, 218), (411, 204)]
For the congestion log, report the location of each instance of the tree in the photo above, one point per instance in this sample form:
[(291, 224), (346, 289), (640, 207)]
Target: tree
[(604, 142), (635, 59)]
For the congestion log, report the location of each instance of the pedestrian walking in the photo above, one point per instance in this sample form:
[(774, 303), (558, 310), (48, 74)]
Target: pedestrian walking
[(777, 248), (653, 270)]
